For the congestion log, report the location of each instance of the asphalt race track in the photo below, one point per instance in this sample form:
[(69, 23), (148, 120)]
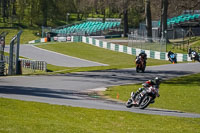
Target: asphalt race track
[(35, 53), (72, 89)]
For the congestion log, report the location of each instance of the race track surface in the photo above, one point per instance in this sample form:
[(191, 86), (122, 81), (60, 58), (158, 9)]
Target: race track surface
[(72, 89), (35, 53)]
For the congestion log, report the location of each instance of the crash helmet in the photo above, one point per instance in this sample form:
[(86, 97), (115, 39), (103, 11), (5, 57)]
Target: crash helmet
[(157, 80), (142, 52)]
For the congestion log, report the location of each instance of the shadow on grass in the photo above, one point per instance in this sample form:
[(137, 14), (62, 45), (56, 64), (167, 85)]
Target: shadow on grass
[(186, 80)]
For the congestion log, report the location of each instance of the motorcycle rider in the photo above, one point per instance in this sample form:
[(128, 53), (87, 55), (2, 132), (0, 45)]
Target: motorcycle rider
[(155, 82), (169, 56), (142, 55), (193, 52), (169, 53)]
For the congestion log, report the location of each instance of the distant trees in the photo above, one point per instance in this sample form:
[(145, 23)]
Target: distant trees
[(56, 12)]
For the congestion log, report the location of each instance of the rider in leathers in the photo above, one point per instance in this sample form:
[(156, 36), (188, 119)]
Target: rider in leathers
[(144, 56)]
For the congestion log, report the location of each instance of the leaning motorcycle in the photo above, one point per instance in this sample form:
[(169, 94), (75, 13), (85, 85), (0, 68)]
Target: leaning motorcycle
[(195, 56), (140, 64), (172, 58), (143, 99)]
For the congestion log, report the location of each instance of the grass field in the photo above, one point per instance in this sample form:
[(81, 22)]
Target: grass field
[(115, 60), (27, 35), (175, 94), (31, 117)]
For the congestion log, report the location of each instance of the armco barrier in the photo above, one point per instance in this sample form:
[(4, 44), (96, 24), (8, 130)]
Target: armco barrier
[(133, 51), (121, 48)]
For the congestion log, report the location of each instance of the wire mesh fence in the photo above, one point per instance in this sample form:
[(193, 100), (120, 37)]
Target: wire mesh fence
[(155, 44)]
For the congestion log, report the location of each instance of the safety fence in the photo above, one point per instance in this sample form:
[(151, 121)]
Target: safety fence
[(154, 44), (30, 64)]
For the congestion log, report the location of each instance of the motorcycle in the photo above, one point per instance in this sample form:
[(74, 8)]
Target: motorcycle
[(143, 99), (172, 58), (195, 56), (140, 64)]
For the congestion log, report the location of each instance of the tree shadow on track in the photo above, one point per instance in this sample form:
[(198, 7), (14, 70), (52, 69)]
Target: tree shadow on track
[(42, 92), (129, 75)]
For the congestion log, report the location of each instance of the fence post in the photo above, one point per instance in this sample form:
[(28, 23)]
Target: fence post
[(18, 64), (10, 67)]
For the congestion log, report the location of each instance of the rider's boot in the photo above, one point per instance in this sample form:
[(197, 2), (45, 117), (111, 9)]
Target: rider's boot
[(153, 101), (134, 96)]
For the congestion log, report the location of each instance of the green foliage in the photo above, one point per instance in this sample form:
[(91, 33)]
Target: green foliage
[(175, 94), (37, 13)]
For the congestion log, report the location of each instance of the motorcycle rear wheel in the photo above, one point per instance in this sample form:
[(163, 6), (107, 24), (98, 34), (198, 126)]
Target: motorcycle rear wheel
[(137, 69), (143, 69), (145, 102)]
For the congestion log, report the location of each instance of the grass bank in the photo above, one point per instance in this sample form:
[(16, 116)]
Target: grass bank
[(32, 117), (176, 94), (115, 60), (27, 35)]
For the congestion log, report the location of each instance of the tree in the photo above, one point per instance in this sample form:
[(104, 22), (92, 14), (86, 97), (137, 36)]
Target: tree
[(44, 11), (148, 18), (125, 17), (123, 8), (164, 9), (4, 10)]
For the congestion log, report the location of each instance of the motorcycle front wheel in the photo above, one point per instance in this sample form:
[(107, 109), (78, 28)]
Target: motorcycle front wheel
[(129, 103)]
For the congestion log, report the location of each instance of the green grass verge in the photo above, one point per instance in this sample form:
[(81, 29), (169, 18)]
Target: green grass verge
[(176, 94), (176, 50), (27, 35), (115, 60), (194, 42), (32, 117)]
